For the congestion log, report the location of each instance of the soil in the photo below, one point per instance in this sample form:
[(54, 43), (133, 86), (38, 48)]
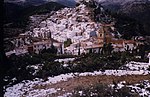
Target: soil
[(85, 81)]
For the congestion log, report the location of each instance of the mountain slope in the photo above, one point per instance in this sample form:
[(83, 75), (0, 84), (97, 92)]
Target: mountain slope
[(17, 17), (138, 10), (11, 11), (69, 3), (26, 2), (17, 13)]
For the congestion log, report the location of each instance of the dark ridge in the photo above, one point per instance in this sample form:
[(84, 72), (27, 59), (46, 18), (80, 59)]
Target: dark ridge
[(15, 13)]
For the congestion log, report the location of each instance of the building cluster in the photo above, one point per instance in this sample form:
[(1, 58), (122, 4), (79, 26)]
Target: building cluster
[(74, 24), (25, 43)]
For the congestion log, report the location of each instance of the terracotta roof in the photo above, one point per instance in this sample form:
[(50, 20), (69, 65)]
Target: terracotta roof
[(42, 42), (117, 41), (94, 46), (129, 41), (54, 40)]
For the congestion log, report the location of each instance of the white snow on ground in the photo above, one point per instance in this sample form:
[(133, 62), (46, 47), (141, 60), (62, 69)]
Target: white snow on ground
[(115, 72), (36, 68), (137, 66), (66, 95), (41, 92), (62, 77), (27, 87), (65, 60), (142, 91)]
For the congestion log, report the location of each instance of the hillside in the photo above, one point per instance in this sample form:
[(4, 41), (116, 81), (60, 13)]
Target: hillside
[(14, 12), (16, 16), (131, 82), (84, 51), (136, 10), (139, 11), (26, 2)]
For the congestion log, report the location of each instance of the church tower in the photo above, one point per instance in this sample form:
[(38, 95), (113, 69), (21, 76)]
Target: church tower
[(101, 35), (104, 34)]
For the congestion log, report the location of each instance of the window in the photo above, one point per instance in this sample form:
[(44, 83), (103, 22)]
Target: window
[(100, 35)]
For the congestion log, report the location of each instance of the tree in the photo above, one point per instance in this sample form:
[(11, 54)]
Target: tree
[(51, 50), (107, 49), (67, 42), (83, 2), (92, 4), (141, 50)]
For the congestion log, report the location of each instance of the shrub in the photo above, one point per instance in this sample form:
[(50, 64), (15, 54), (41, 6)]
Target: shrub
[(67, 43)]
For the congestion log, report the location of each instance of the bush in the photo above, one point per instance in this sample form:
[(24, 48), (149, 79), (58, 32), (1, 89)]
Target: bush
[(67, 43), (83, 63)]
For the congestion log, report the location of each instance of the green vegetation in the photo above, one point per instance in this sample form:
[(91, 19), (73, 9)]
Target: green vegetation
[(83, 63), (52, 50), (104, 60), (67, 43), (107, 49), (128, 26)]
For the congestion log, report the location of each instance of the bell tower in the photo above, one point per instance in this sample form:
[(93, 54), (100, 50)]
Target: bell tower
[(104, 34), (101, 35)]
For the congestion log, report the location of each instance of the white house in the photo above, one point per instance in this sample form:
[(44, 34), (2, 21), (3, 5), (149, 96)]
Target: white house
[(38, 46), (149, 58), (129, 44), (17, 51)]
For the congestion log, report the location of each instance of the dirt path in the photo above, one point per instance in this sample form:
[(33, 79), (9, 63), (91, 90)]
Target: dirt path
[(85, 81)]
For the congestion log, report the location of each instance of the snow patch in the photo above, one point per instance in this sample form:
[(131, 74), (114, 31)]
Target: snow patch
[(27, 88)]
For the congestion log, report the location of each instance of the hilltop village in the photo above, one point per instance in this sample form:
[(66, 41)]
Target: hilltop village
[(77, 52), (73, 31)]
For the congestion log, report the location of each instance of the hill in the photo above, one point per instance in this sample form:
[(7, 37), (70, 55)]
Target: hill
[(17, 16), (138, 10)]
